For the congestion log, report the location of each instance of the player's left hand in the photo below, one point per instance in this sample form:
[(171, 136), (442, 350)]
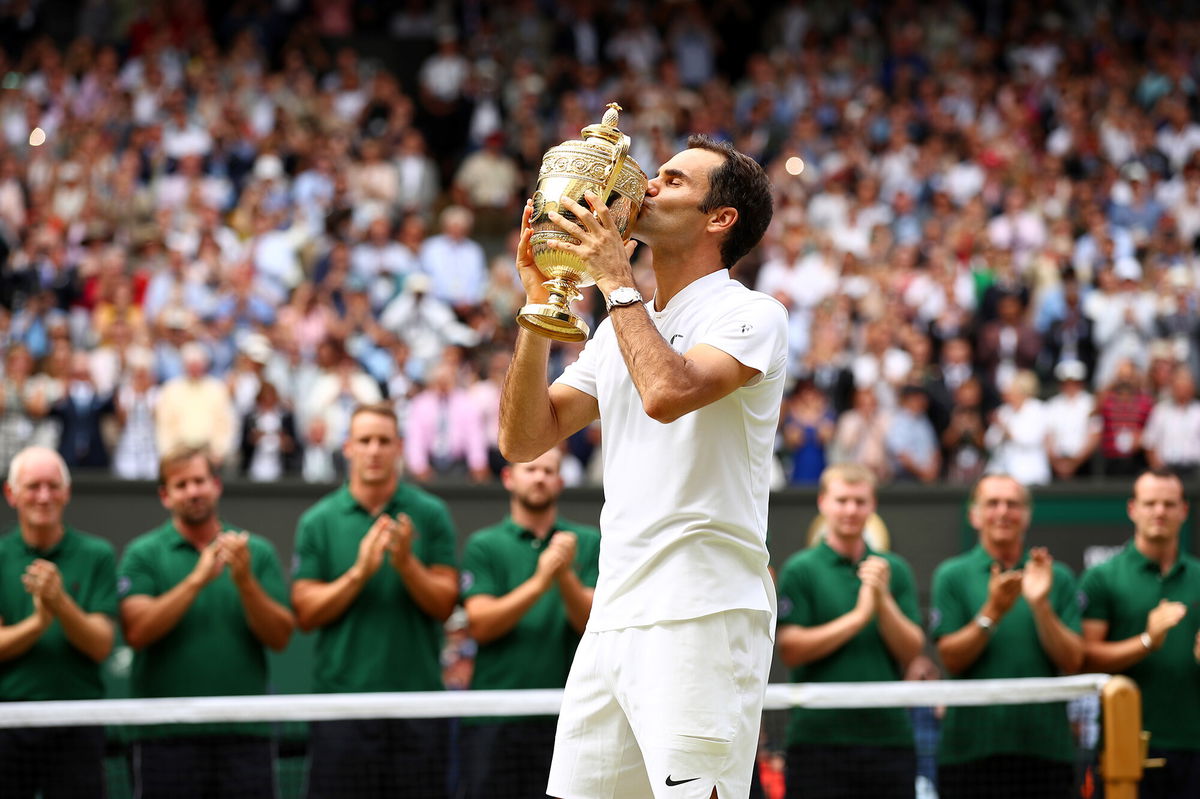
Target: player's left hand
[(877, 573), (43, 579), (403, 534), (600, 245), (1038, 576), (566, 542), (234, 550)]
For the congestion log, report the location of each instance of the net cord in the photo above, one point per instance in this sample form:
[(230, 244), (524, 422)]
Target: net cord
[(452, 704)]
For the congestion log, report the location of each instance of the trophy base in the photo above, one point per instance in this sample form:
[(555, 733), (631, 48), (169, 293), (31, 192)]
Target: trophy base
[(553, 322)]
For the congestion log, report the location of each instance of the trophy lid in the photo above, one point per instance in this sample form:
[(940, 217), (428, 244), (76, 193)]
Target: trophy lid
[(607, 129)]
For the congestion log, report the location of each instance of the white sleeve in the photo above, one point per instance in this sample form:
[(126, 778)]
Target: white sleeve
[(754, 332)]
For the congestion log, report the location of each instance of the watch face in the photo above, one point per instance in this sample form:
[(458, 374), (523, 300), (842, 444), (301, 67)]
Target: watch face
[(624, 296)]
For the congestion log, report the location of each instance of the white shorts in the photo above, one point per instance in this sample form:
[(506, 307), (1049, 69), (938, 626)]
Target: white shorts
[(668, 711)]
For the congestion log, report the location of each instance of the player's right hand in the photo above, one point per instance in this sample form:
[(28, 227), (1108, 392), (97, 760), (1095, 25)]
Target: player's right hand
[(1004, 588), (374, 545), (1165, 615), (531, 277), (210, 564)]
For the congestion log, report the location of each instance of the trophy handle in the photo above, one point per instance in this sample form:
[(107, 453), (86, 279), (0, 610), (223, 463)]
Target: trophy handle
[(620, 152)]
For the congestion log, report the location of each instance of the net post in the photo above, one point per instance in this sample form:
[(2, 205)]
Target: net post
[(1121, 759)]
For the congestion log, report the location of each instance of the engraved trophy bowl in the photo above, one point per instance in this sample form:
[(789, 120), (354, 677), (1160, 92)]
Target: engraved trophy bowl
[(598, 163)]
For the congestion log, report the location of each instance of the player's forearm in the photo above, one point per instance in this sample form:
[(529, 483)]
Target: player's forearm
[(434, 590), (1112, 657), (90, 633), (901, 635), (960, 649), (661, 376), (492, 617), (800, 645), (146, 619), (17, 639), (318, 603), (577, 599), (1062, 644), (271, 622), (528, 426)]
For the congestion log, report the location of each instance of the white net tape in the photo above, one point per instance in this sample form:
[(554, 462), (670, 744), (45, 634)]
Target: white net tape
[(450, 704)]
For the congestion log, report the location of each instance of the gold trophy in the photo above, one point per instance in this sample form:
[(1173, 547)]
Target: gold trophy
[(600, 163)]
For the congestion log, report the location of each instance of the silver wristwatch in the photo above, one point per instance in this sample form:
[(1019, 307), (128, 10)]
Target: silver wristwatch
[(624, 295), (986, 622)]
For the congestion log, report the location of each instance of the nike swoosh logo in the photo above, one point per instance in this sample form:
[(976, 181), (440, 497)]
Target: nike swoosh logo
[(672, 783)]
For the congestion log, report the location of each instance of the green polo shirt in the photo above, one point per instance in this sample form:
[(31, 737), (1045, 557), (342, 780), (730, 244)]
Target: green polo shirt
[(53, 668), (1122, 591), (211, 651), (384, 641), (817, 585), (537, 652), (960, 588)]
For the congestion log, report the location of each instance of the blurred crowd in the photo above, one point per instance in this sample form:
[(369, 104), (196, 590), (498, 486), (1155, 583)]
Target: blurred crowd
[(228, 224)]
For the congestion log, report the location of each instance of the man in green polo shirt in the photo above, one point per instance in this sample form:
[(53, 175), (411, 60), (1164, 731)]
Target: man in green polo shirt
[(375, 574), (58, 598), (1143, 619), (200, 602), (527, 588), (1002, 610), (848, 613)]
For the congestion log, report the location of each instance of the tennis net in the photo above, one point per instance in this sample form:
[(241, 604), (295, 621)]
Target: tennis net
[(435, 744)]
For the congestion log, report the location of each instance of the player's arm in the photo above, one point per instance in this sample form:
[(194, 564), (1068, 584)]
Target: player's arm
[(901, 635), (145, 618), (534, 416), (18, 638), (90, 633), (319, 602), (1063, 645), (490, 617), (577, 598), (1102, 655), (960, 649), (271, 622), (434, 588), (800, 644)]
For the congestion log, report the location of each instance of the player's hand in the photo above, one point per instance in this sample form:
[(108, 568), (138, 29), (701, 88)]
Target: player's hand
[(1004, 587), (531, 277), (600, 244), (374, 545), (400, 545), (41, 612), (1038, 577), (569, 544), (877, 573), (1159, 621), (43, 580), (209, 565), (235, 551)]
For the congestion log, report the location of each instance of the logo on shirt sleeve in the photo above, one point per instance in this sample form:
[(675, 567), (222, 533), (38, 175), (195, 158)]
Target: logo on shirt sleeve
[(123, 585), (935, 618), (745, 328), (467, 580)]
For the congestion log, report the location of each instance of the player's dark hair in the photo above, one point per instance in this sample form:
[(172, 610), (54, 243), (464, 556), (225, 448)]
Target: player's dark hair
[(739, 183)]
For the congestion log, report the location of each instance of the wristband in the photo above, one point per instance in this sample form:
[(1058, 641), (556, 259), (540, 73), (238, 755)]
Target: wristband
[(1146, 641)]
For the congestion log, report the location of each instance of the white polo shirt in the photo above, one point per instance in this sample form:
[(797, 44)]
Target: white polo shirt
[(683, 529)]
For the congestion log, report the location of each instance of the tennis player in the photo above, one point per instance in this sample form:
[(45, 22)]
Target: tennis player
[(665, 693)]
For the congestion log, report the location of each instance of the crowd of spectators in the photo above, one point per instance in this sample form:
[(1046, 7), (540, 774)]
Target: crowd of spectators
[(241, 223)]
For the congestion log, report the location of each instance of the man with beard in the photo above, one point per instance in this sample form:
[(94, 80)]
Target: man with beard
[(200, 602), (376, 576), (527, 588)]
